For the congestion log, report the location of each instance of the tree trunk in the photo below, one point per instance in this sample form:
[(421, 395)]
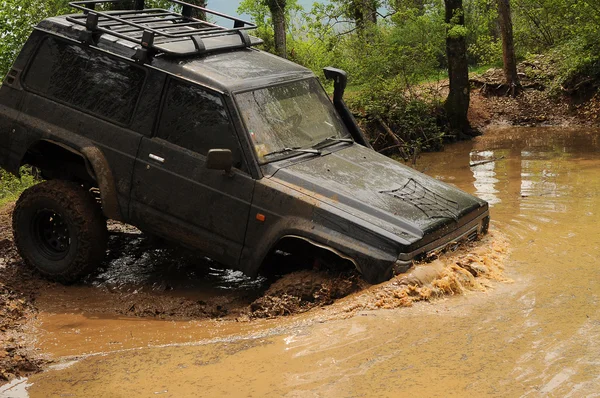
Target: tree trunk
[(508, 48), (370, 12), (197, 13), (358, 15), (122, 5), (277, 8), (364, 13), (457, 103)]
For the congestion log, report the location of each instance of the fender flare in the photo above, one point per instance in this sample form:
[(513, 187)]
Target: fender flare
[(106, 181), (373, 262), (99, 169), (321, 246), (361, 254)]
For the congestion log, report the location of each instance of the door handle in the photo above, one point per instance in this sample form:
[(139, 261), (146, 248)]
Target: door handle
[(156, 158)]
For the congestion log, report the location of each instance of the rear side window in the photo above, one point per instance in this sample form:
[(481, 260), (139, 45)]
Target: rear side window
[(196, 119), (86, 79)]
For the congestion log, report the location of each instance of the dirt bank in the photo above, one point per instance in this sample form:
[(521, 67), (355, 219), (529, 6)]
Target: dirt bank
[(541, 102)]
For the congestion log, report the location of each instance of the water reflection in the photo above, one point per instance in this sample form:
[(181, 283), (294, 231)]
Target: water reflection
[(529, 166), (484, 166)]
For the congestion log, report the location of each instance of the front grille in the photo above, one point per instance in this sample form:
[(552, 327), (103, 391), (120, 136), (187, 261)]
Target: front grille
[(452, 245), (472, 236)]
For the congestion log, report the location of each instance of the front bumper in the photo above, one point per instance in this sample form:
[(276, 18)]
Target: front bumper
[(466, 232)]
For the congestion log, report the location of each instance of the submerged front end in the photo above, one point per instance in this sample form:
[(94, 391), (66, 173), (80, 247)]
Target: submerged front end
[(363, 196)]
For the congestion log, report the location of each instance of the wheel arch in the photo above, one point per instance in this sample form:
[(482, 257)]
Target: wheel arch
[(373, 261), (304, 251), (317, 245), (95, 166)]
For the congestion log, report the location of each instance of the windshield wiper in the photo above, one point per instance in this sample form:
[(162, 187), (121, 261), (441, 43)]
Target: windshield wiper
[(333, 138), (295, 149)]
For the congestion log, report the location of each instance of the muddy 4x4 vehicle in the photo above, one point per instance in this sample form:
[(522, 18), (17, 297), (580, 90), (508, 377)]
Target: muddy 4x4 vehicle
[(179, 127)]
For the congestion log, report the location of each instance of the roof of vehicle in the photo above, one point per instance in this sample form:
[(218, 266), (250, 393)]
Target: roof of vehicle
[(223, 67)]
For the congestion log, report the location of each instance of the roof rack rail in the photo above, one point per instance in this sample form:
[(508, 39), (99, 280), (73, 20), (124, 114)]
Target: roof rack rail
[(158, 30)]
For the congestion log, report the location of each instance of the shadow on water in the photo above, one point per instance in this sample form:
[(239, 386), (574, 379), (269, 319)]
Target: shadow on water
[(135, 260)]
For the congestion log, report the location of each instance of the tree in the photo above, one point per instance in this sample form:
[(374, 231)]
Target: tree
[(197, 13), (364, 13), (17, 19), (508, 48), (401, 5), (273, 19), (277, 9), (457, 103)]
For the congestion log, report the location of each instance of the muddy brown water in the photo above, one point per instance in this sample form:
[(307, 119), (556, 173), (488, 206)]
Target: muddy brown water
[(536, 334)]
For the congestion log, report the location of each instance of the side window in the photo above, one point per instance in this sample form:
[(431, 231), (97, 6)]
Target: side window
[(86, 79), (196, 119)]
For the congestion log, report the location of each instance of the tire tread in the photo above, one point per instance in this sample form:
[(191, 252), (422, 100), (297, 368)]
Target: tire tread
[(84, 213)]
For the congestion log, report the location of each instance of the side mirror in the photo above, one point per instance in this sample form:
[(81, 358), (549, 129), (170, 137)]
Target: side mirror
[(340, 78), (219, 159)]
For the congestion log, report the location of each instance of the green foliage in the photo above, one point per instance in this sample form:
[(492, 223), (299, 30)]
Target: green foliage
[(386, 61), (413, 115), (482, 33), (457, 31), (567, 31), (486, 50), (260, 14), (576, 63), (17, 19), (12, 186), (542, 24)]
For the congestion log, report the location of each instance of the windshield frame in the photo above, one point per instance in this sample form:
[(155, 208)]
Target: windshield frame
[(289, 154)]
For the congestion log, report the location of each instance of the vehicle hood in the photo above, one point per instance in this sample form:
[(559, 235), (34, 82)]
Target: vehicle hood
[(381, 191)]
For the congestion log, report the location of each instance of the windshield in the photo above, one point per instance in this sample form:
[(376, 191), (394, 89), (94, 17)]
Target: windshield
[(284, 119)]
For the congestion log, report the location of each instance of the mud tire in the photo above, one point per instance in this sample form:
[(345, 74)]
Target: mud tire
[(83, 226)]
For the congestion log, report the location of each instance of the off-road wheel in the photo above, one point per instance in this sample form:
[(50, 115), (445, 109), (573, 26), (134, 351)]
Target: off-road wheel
[(59, 230)]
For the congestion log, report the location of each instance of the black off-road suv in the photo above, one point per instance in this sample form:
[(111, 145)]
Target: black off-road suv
[(180, 127)]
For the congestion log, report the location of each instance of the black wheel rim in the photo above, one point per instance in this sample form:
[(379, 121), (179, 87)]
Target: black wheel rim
[(51, 234)]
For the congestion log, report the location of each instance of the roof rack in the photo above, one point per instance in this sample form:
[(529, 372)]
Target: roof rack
[(162, 31)]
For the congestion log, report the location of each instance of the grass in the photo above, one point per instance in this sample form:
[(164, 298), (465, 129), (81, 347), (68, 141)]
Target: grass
[(479, 69), (12, 186), (9, 199)]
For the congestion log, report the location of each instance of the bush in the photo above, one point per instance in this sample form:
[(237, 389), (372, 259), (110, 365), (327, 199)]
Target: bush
[(12, 186), (416, 118)]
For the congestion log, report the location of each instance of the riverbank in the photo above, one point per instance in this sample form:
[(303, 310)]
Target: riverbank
[(404, 121), (540, 102), (17, 309)]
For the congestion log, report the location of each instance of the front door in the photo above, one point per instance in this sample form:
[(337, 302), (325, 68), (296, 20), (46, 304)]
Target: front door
[(173, 193)]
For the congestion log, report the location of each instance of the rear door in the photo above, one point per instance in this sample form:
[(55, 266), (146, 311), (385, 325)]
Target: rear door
[(76, 91), (173, 193)]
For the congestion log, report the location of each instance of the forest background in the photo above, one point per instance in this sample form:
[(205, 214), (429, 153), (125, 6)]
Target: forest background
[(396, 52)]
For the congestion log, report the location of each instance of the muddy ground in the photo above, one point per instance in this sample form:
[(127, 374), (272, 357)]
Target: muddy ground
[(144, 278), (16, 307)]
